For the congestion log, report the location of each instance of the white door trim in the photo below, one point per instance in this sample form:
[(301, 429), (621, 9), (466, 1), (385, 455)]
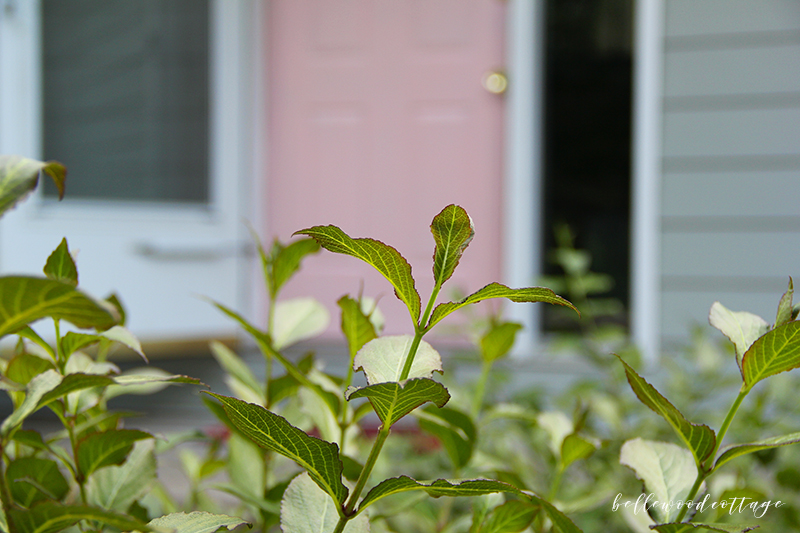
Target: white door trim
[(522, 184), (646, 175)]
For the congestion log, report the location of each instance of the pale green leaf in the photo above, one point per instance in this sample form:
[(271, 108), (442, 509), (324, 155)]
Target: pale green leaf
[(273, 432), (497, 290), (392, 400), (737, 450), (37, 388), (558, 426), (511, 517), (776, 351), (741, 327), (147, 380), (51, 517), (785, 306), (668, 472), (195, 522), (452, 230), (236, 367), (117, 487), (298, 319), (499, 340), (25, 299), (245, 465), (307, 509), (60, 266), (440, 487), (32, 479), (357, 327), (107, 448), (455, 430), (125, 337), (382, 257), (574, 448), (31, 335), (699, 438), (20, 175), (685, 527), (382, 359)]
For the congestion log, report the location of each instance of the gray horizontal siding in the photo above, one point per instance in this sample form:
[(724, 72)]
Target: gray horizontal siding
[(729, 194), (690, 307), (714, 17), (754, 73), (731, 158)]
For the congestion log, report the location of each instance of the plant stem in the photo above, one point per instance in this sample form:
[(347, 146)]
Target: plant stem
[(706, 469), (412, 351), (350, 506), (480, 390), (420, 330)]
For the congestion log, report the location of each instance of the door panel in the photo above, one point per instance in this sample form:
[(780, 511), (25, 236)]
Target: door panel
[(157, 180), (378, 119)]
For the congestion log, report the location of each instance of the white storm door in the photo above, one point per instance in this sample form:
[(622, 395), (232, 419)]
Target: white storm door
[(144, 102)]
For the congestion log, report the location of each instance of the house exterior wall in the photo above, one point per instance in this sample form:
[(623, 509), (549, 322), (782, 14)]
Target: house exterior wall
[(730, 226)]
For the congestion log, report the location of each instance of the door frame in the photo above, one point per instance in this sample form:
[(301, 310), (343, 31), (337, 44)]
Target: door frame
[(523, 193)]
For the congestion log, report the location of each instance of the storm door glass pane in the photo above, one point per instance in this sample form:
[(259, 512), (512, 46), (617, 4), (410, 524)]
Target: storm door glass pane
[(126, 98)]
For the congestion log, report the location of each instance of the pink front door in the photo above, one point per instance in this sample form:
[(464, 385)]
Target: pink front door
[(377, 120)]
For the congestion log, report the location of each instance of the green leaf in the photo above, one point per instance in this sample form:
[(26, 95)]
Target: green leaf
[(736, 450), (440, 487), (785, 306), (24, 367), (683, 527), (117, 487), (511, 517), (75, 382), (382, 257), (106, 448), (273, 432), (245, 465), (30, 334), (574, 448), (699, 438), (236, 367), (668, 471), (43, 473), (497, 290), (452, 230), (26, 299), (499, 340), (307, 509), (296, 320), (356, 325), (382, 359), (50, 517), (196, 522), (776, 351), (73, 341), (392, 401), (125, 337), (454, 429), (19, 176), (741, 327), (38, 387), (60, 266), (287, 261)]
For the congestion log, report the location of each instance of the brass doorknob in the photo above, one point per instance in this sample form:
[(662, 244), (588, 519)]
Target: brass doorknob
[(495, 81)]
